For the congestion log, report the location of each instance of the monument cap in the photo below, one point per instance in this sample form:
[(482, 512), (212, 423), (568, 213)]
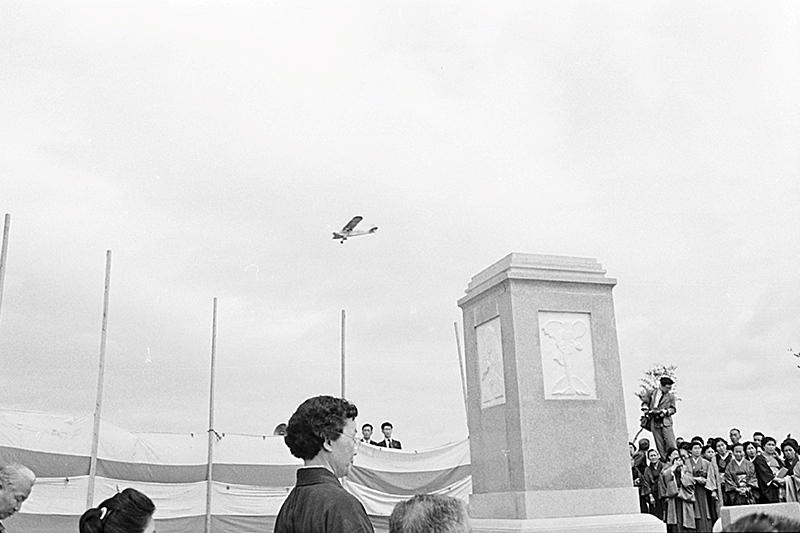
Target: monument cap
[(666, 380)]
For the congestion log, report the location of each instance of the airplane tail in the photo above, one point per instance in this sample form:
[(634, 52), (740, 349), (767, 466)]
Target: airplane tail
[(373, 229)]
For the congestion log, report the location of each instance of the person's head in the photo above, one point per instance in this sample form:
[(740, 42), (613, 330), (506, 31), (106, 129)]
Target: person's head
[(366, 431), (128, 511), (684, 454), (769, 445), (16, 482), (764, 523), (789, 447), (722, 446), (696, 449), (666, 383), (738, 451), (758, 438), (678, 441), (708, 452), (429, 513), (735, 435), (652, 455), (386, 429), (322, 431), (698, 438), (750, 450), (673, 456), (644, 445)]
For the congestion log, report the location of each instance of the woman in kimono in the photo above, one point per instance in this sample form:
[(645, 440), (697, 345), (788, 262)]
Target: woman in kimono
[(768, 464), (652, 472), (790, 462), (724, 456), (740, 481), (677, 486), (716, 480), (705, 491)]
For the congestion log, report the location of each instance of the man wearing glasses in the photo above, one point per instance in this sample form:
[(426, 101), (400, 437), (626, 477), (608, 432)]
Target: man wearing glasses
[(323, 433)]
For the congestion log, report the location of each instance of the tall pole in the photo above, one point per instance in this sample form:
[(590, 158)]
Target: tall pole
[(343, 368), (100, 375), (211, 432), (3, 256), (461, 366)]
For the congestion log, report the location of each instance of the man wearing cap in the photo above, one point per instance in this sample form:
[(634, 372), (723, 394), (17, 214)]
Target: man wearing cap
[(660, 405)]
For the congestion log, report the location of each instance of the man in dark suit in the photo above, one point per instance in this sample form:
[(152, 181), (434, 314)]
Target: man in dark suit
[(659, 404), (388, 441), (366, 431)]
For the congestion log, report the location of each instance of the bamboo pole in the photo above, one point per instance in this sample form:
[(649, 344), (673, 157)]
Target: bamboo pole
[(211, 432), (461, 366), (4, 255), (100, 376), (343, 367)]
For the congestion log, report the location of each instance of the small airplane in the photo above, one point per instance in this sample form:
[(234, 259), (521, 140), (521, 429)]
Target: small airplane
[(349, 230)]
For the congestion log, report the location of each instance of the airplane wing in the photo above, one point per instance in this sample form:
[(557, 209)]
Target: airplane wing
[(352, 224)]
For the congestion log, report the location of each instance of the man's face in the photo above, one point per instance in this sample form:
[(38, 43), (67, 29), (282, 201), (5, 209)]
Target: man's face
[(344, 449), (387, 431), (758, 438), (367, 432), (735, 435), (666, 388), (12, 495), (769, 448)]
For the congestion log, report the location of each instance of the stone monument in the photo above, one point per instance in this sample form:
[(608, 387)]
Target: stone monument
[(548, 435)]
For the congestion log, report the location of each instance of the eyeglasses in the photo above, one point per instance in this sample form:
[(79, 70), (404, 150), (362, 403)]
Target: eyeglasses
[(355, 438)]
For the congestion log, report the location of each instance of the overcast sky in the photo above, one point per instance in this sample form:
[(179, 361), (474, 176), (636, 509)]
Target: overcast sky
[(213, 147)]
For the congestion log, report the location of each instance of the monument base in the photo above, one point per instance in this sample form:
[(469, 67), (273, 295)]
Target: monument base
[(618, 523), (534, 505)]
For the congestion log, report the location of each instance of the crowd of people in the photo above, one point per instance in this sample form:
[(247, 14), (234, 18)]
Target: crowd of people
[(686, 483), (685, 486)]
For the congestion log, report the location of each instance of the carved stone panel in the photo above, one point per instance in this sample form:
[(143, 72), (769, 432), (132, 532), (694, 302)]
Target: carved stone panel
[(567, 357), (490, 360)]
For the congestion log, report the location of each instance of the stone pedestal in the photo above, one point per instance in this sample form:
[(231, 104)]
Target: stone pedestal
[(546, 416)]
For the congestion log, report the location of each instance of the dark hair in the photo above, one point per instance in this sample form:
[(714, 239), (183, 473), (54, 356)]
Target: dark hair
[(128, 511), (670, 450), (740, 445), (696, 443), (765, 440), (722, 440), (788, 441), (387, 425), (757, 433), (708, 447), (315, 421), (698, 438), (763, 522), (429, 513), (367, 425)]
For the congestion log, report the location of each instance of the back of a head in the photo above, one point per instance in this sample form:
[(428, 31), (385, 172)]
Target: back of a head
[(429, 513), (126, 512), (764, 523)]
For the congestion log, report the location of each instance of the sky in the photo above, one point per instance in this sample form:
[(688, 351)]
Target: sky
[(213, 147)]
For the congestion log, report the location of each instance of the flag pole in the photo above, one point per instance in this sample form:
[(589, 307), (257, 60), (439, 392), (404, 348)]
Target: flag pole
[(343, 367), (100, 376), (4, 255), (211, 432), (461, 366)]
